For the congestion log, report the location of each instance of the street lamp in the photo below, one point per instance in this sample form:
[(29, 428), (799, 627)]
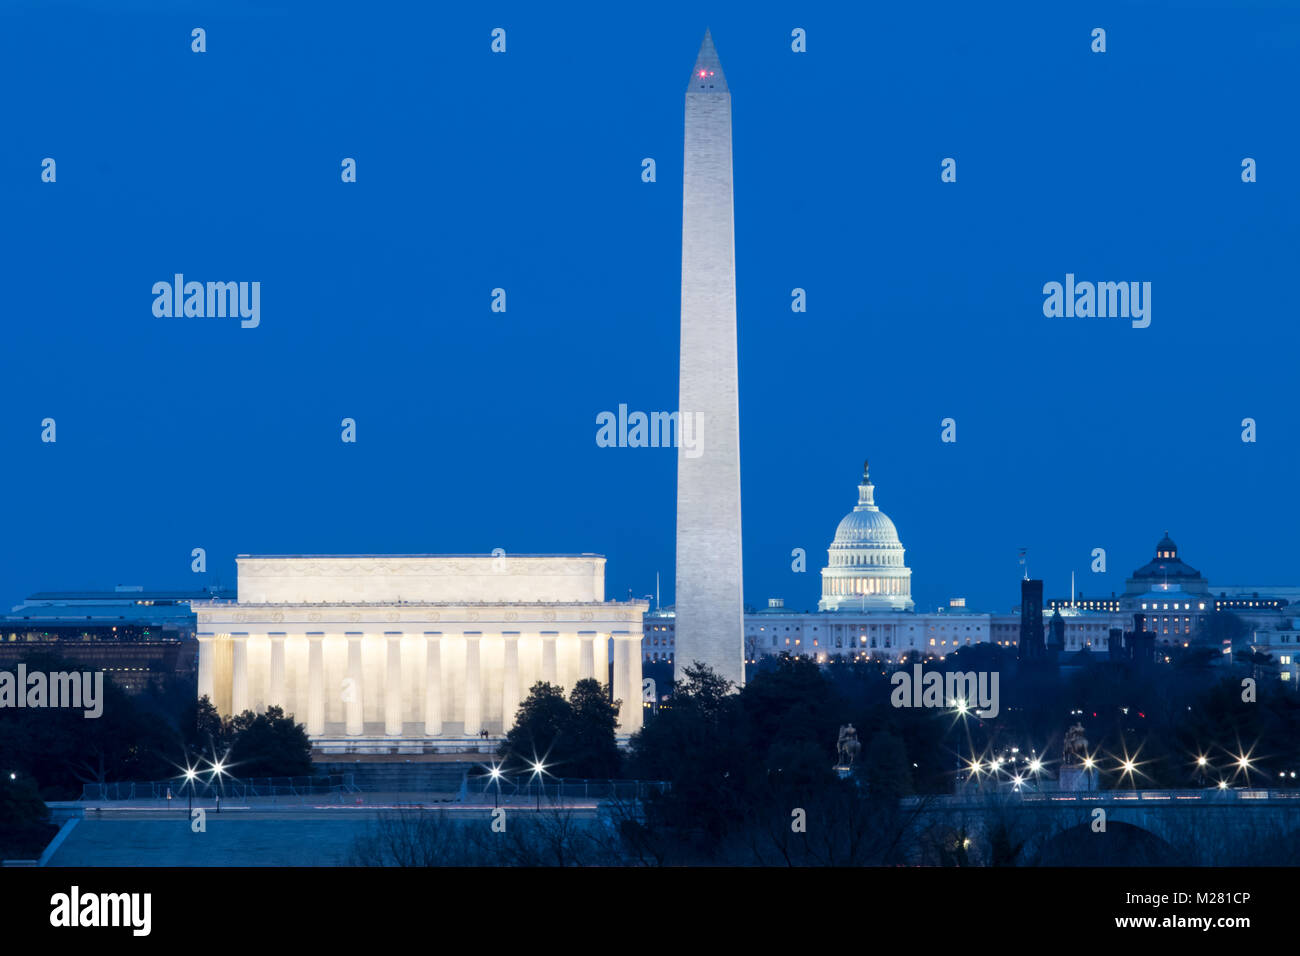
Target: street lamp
[(539, 768), (1128, 767), (189, 780), (218, 772), (495, 773), (1202, 764)]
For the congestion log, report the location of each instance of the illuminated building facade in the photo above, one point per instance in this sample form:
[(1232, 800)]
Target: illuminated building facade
[(137, 637), (410, 653)]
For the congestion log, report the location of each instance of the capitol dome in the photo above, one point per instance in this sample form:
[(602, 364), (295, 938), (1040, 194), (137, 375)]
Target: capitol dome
[(859, 527), (865, 570)]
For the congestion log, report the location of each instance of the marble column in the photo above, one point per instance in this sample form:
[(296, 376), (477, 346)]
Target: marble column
[(393, 687), (207, 679), (352, 698), (239, 675), (634, 710), (621, 690), (433, 684), (601, 658), (549, 671), (566, 660), (315, 685), (510, 698), (275, 688), (473, 686), (587, 655)]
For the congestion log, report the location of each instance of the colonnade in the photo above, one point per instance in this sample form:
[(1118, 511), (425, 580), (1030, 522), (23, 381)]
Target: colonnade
[(386, 683)]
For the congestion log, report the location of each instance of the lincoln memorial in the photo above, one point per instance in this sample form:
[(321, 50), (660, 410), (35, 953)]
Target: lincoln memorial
[(407, 652)]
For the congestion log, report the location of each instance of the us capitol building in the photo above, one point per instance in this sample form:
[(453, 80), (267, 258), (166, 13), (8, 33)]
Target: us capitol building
[(866, 569), (866, 610)]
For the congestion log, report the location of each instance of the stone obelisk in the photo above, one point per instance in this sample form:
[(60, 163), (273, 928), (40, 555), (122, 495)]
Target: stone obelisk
[(710, 598)]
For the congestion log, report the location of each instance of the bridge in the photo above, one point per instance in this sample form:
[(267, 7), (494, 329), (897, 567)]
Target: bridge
[(1107, 828)]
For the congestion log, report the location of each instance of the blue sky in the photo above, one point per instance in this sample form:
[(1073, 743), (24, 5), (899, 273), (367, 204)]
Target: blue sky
[(476, 430)]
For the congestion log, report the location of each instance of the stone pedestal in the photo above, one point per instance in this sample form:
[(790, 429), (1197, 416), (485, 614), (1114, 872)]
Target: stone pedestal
[(1077, 780)]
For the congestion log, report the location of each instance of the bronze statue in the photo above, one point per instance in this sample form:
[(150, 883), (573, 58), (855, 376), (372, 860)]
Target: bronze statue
[(849, 746), (1076, 746)]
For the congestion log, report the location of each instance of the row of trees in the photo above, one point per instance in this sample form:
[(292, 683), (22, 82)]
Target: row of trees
[(572, 737), (270, 744), (135, 738), (750, 772), (1162, 718), (25, 827), (149, 736), (741, 763)]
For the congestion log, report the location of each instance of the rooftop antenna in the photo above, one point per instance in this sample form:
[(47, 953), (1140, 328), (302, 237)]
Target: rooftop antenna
[(1023, 553), (1072, 591), (657, 603)]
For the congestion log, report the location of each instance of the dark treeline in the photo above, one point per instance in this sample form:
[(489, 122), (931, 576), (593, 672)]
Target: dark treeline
[(50, 753), (149, 736), (1162, 716), (743, 765), (751, 773)]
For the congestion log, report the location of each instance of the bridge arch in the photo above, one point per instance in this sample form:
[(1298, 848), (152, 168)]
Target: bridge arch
[(1121, 844)]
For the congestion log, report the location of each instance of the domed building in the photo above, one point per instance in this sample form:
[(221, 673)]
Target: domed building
[(866, 570), (1164, 571)]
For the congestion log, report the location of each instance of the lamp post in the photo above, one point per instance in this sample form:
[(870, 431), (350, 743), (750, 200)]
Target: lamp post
[(539, 768), (495, 773), (218, 771)]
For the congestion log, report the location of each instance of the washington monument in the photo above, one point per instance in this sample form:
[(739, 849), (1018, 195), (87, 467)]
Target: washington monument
[(710, 596)]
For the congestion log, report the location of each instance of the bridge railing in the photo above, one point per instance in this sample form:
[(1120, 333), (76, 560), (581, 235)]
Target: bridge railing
[(202, 788), (523, 787), (1094, 797)]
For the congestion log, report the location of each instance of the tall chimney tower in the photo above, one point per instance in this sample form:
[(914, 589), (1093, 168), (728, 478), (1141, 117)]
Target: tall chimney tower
[(1032, 647)]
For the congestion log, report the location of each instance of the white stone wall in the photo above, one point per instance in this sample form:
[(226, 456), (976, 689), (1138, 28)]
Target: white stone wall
[(420, 578)]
